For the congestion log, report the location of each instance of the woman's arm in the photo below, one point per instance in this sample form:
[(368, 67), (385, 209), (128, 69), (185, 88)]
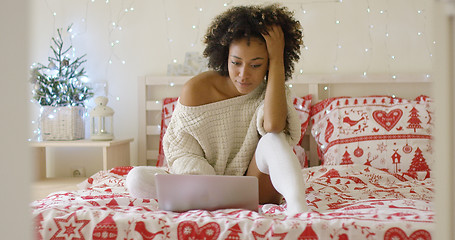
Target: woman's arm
[(275, 106)]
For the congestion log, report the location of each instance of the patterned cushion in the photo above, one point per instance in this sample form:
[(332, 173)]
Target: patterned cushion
[(166, 114), (121, 170), (388, 133), (303, 106)]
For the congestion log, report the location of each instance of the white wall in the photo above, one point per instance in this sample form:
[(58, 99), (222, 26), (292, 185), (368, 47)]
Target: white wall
[(14, 158), (352, 36)]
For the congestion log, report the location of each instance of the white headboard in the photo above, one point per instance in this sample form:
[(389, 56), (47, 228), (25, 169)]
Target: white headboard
[(152, 89)]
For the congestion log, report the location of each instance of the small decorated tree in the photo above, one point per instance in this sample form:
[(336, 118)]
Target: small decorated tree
[(60, 89), (60, 83)]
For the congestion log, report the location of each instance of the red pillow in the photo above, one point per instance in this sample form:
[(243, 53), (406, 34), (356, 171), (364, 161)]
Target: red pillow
[(303, 107), (391, 134), (166, 114), (121, 170)]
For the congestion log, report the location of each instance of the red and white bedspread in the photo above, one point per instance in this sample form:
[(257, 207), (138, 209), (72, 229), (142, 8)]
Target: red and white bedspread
[(346, 202)]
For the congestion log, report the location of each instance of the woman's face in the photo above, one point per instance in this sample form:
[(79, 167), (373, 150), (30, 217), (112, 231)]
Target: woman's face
[(247, 64)]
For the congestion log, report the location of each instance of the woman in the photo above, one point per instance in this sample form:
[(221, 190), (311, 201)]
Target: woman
[(237, 119)]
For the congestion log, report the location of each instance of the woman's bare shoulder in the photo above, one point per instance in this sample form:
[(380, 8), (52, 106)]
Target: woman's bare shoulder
[(199, 89)]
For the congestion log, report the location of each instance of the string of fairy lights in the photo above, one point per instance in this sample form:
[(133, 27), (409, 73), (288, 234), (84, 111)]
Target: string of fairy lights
[(119, 10), (378, 39)]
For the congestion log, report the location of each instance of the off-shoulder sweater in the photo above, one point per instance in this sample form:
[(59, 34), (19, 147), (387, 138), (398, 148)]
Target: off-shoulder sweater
[(221, 137)]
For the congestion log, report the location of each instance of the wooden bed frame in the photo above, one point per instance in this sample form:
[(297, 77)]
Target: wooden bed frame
[(152, 89)]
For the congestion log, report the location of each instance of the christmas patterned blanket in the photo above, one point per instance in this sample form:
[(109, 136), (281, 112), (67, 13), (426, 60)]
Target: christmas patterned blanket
[(346, 202)]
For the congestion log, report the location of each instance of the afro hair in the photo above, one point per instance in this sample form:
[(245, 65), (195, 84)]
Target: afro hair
[(247, 22)]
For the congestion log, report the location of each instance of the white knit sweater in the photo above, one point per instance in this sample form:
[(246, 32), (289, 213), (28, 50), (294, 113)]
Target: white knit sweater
[(221, 137)]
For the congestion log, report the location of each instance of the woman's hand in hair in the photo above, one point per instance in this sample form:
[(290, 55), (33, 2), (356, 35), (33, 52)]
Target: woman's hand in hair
[(275, 42)]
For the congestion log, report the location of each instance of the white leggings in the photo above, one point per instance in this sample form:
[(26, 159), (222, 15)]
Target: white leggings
[(274, 156), (140, 181)]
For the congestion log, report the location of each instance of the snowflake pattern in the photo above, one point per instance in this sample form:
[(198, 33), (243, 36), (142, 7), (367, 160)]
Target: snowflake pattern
[(382, 147)]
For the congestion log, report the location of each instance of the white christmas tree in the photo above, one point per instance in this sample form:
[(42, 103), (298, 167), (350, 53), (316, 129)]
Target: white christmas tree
[(60, 83)]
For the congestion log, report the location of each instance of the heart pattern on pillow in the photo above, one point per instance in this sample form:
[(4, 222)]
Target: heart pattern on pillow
[(387, 120)]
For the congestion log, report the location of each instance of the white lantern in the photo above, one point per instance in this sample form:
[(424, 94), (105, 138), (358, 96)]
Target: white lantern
[(101, 120)]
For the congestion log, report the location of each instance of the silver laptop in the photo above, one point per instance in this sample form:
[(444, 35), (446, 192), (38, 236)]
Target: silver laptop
[(180, 193)]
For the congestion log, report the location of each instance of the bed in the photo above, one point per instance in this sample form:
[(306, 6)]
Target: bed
[(366, 158)]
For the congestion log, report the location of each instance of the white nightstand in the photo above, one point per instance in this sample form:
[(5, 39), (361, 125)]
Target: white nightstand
[(115, 152)]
